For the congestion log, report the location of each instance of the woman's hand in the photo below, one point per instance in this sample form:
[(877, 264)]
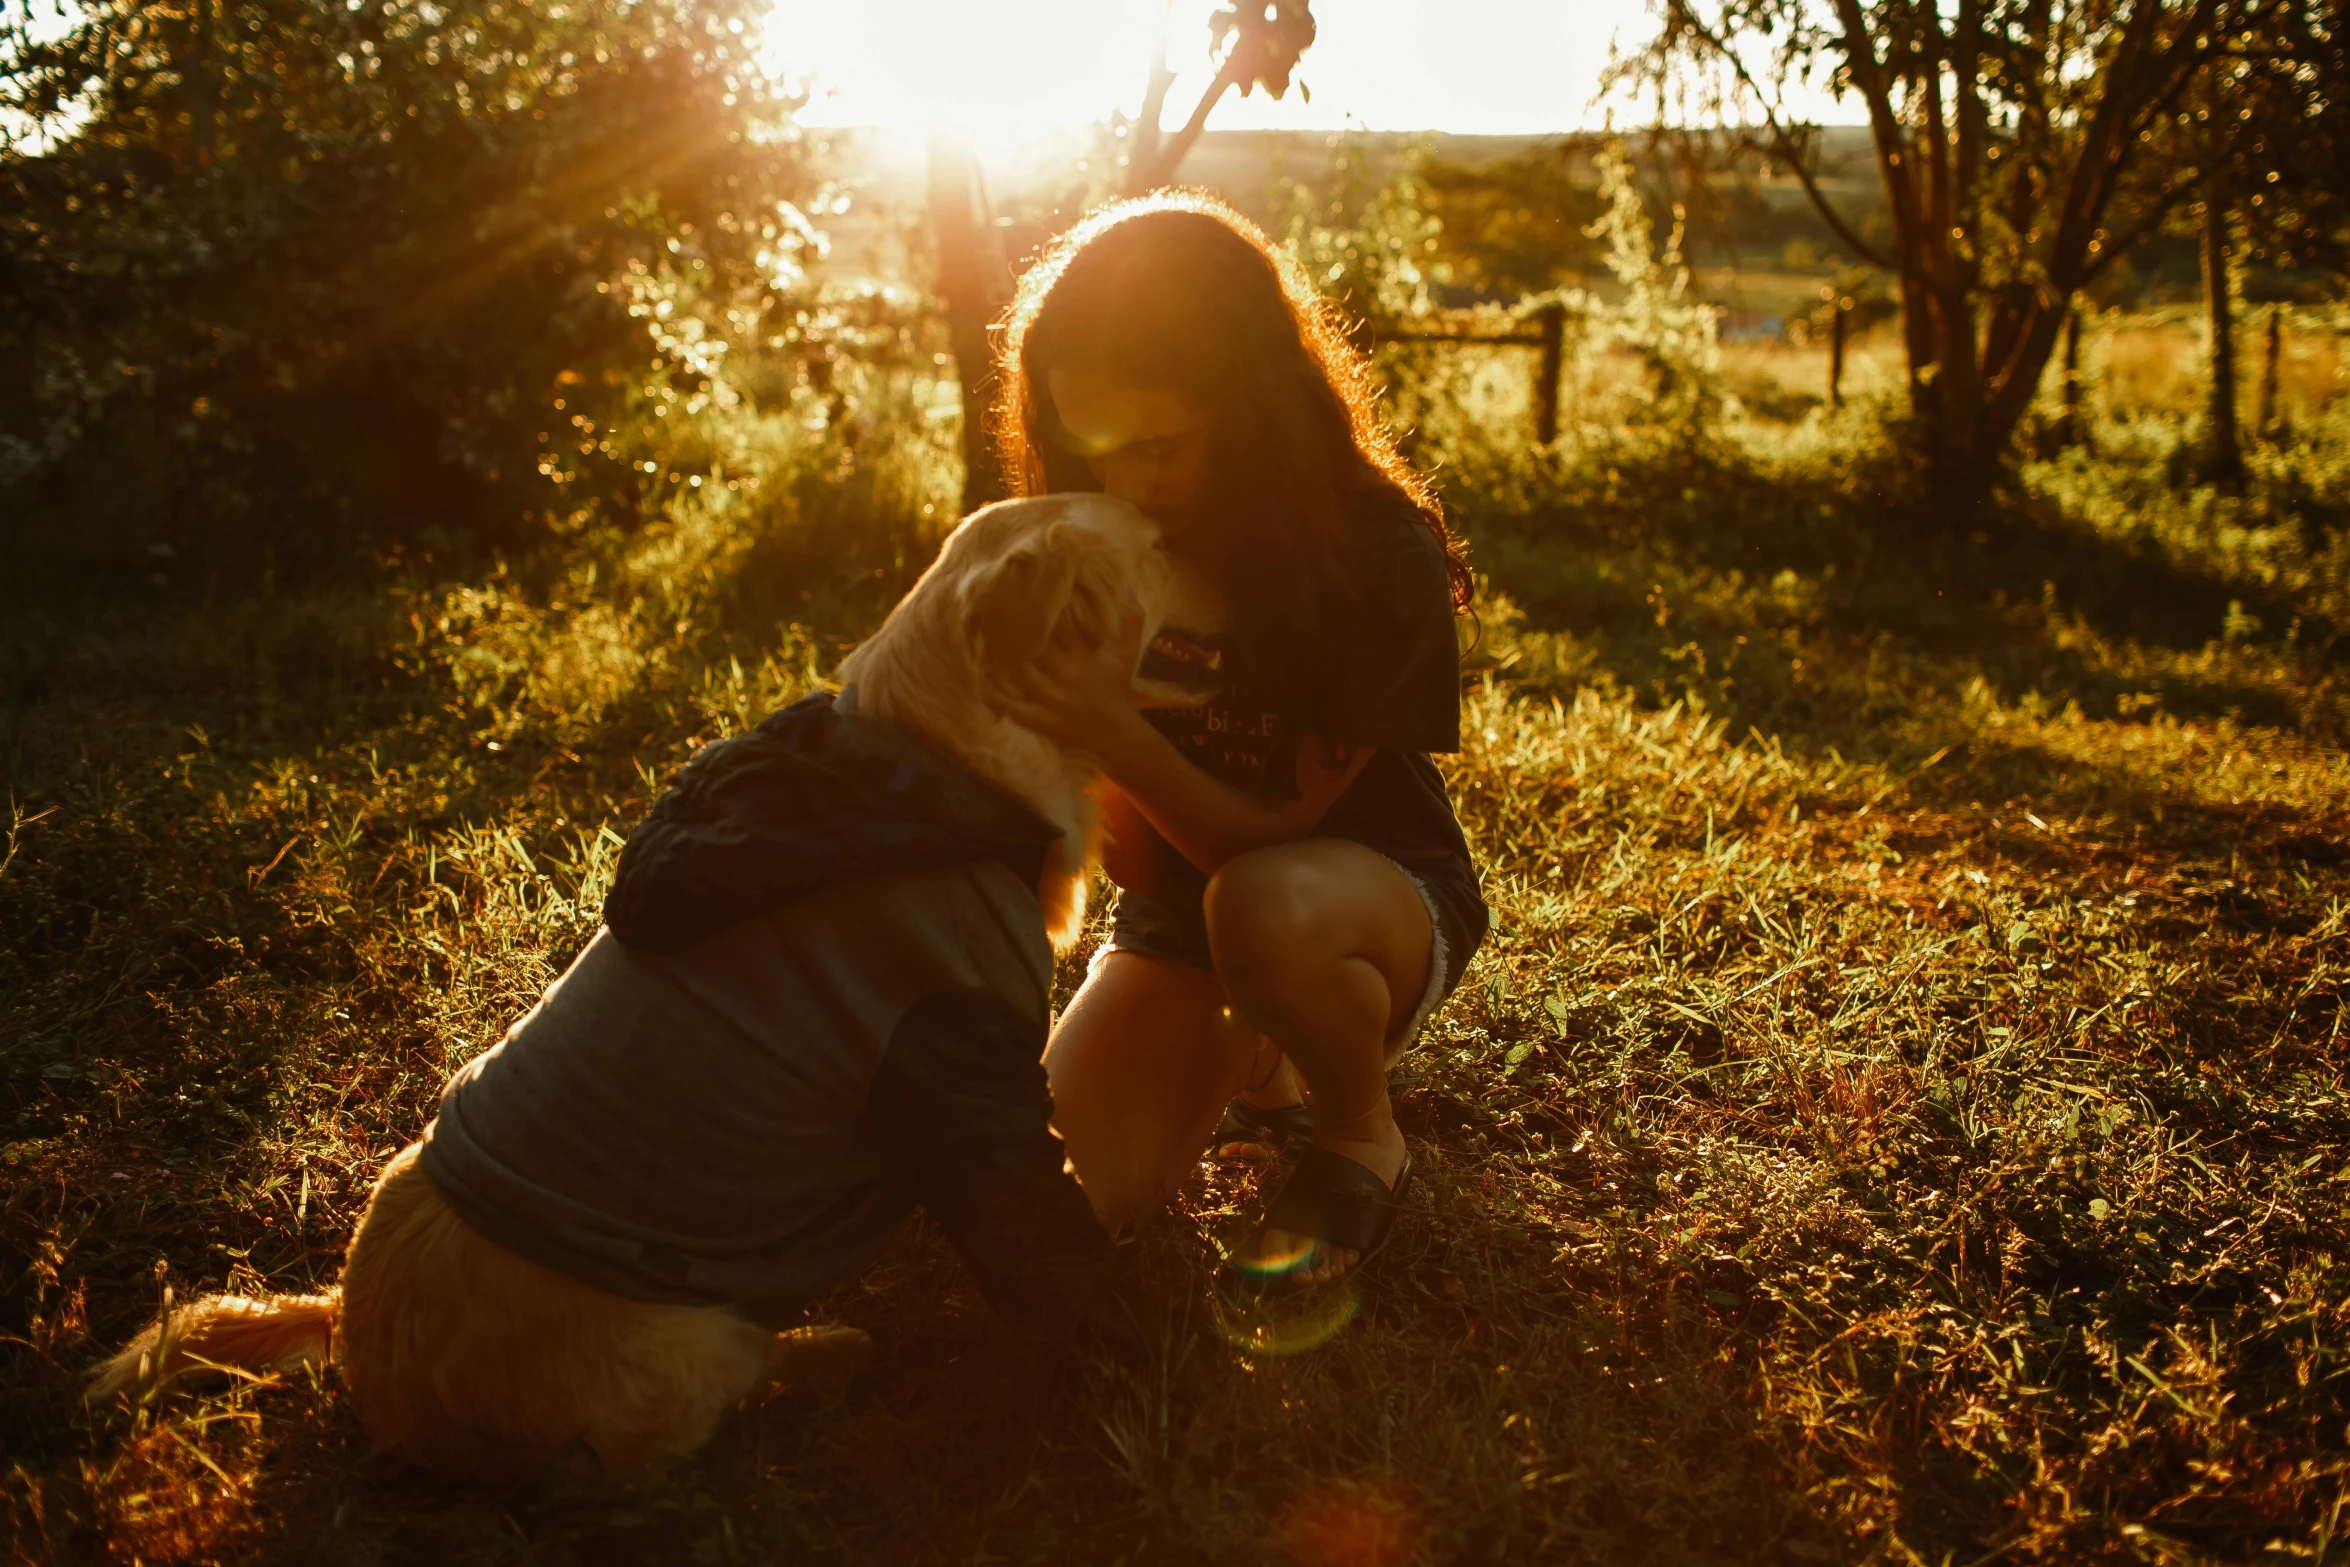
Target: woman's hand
[(1081, 694)]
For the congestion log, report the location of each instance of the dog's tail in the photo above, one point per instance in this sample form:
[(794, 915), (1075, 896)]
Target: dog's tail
[(233, 1332)]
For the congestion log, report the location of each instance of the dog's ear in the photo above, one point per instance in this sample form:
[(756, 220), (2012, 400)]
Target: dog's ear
[(1095, 593), (1014, 606)]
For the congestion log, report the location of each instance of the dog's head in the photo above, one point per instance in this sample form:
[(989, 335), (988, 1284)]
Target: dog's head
[(1032, 573), (1012, 581)]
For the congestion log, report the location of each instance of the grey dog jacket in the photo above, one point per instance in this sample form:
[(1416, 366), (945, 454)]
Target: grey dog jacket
[(746, 1119)]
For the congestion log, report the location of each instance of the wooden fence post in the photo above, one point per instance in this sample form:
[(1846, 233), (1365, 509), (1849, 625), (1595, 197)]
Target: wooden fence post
[(1836, 310), (1553, 319)]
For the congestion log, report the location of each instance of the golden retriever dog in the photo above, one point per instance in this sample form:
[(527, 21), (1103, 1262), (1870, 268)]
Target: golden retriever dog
[(466, 1357), (1015, 591)]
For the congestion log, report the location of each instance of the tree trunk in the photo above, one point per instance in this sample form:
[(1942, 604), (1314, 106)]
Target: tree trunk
[(1979, 349), (1142, 154), (975, 284), (1169, 152), (2268, 369), (1946, 386), (2223, 448), (2069, 430), (1968, 462), (203, 87)]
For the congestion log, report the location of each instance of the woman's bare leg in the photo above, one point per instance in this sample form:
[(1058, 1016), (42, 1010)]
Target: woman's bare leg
[(1325, 945), (1141, 1065)]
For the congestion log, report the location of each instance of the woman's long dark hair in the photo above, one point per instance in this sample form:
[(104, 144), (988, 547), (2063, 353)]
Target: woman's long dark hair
[(1177, 290)]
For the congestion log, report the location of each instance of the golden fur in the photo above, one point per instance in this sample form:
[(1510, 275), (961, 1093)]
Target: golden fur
[(1011, 580), (464, 1357)]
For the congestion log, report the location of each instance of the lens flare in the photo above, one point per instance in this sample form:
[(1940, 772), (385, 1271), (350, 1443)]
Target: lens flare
[(1278, 1319), (1350, 1524), (1279, 1264)]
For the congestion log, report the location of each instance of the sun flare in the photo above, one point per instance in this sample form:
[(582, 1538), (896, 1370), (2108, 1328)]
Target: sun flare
[(1005, 72), (999, 73)]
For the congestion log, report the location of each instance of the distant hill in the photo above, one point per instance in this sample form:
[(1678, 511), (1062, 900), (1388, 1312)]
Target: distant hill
[(1042, 189)]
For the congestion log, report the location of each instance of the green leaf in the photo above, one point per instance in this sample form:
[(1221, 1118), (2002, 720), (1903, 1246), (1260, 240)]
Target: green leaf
[(1497, 991)]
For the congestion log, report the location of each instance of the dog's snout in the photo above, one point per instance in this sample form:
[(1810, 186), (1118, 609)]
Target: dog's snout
[(1197, 604)]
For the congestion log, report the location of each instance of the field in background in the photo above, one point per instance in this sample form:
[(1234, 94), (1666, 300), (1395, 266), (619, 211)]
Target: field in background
[(1900, 1114), (2137, 367)]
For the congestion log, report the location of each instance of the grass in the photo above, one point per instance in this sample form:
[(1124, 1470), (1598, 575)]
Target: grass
[(1900, 1115), (2152, 364)]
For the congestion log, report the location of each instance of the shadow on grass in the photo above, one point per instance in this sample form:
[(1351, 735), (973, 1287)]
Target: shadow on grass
[(214, 1021), (1820, 606), (1626, 1424), (1523, 1381)]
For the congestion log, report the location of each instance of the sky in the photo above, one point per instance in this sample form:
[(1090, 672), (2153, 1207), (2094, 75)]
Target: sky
[(1008, 70)]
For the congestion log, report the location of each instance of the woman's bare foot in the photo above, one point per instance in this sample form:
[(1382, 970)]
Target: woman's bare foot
[(1372, 1140)]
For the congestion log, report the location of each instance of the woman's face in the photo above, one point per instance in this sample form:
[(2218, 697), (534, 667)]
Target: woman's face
[(1147, 445)]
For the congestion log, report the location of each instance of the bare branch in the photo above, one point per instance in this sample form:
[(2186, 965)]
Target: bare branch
[(1172, 153), (2111, 139), (1144, 154), (1783, 150), (1262, 41), (1782, 145), (1973, 121), (2162, 206), (1868, 74)]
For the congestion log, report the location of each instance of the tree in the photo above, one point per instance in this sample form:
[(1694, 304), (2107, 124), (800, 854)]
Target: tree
[(1516, 225), (300, 268), (2223, 449), (2271, 135), (2015, 140), (1257, 44), (974, 284)]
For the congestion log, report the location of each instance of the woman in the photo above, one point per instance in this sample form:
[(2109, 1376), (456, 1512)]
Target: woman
[(1295, 893)]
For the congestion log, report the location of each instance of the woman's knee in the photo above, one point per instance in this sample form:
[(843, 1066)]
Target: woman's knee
[(1143, 1060), (1280, 918), (1266, 910)]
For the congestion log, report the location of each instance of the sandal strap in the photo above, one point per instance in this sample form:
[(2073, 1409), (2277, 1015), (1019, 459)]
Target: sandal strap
[(1338, 1201)]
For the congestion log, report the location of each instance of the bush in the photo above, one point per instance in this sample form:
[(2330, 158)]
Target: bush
[(288, 275)]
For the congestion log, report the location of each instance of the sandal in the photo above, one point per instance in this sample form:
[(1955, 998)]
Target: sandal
[(1279, 1125), (1338, 1202)]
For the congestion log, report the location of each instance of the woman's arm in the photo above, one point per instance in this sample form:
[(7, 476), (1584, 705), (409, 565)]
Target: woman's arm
[(1206, 820), (1083, 697), (1131, 847)]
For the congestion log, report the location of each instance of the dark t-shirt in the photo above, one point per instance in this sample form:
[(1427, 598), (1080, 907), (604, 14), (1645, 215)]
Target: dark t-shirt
[(1394, 684)]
